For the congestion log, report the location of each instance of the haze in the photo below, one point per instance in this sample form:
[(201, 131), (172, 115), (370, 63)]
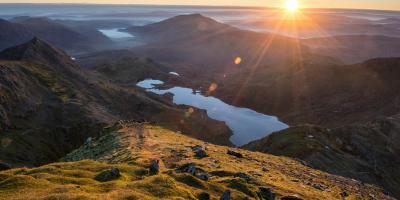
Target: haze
[(357, 4)]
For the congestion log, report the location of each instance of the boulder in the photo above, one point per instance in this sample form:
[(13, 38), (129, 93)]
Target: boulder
[(154, 166), (266, 193), (318, 186), (344, 194), (243, 176), (203, 176), (201, 154), (234, 153), (192, 169), (199, 151), (108, 175), (226, 195)]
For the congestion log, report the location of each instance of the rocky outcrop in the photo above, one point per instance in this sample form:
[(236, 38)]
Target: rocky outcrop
[(108, 175)]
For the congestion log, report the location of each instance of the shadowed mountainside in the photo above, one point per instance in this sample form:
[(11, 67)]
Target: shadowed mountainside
[(12, 34), (275, 74), (355, 48), (74, 40), (49, 106), (366, 152)]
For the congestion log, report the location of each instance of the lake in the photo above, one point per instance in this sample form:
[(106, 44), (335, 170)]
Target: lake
[(247, 125)]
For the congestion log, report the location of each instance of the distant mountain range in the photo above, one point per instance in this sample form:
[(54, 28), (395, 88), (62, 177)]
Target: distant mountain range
[(72, 39)]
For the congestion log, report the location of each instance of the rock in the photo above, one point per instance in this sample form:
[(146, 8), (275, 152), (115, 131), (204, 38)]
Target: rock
[(344, 194), (226, 195), (318, 186), (4, 166), (291, 198), (191, 168), (203, 176), (243, 176), (88, 141), (108, 175), (264, 169), (199, 151), (201, 154), (154, 166), (204, 196), (236, 154), (197, 148), (266, 193), (199, 173)]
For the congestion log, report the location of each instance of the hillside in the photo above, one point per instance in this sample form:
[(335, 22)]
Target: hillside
[(355, 48), (130, 147), (123, 66), (366, 152), (12, 34), (50, 106), (178, 28), (287, 77), (72, 39), (208, 48), (323, 94)]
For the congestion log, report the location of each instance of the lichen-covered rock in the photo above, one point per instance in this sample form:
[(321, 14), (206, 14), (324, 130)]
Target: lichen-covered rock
[(108, 175)]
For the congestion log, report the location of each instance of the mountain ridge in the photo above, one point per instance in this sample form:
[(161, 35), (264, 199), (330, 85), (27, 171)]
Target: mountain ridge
[(132, 147), (366, 152)]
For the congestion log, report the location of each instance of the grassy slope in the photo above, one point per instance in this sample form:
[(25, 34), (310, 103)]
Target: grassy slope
[(130, 147)]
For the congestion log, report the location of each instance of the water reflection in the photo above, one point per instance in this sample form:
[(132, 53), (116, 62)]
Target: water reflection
[(247, 125)]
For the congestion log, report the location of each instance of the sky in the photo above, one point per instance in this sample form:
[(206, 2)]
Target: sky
[(359, 4)]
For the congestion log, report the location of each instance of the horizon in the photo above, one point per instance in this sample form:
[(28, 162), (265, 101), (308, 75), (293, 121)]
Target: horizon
[(274, 5)]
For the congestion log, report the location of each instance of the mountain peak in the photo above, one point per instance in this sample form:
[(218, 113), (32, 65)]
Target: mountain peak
[(179, 27), (35, 49)]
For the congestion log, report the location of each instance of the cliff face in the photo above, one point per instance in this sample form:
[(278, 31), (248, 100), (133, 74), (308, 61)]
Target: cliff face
[(125, 168), (366, 152)]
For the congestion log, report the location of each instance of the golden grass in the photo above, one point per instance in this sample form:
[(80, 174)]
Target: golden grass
[(75, 180)]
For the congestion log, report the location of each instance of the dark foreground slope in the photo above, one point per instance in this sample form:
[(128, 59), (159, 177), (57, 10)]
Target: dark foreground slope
[(49, 106), (131, 147), (367, 152)]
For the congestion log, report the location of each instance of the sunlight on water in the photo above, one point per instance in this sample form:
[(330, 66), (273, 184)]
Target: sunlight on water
[(115, 33), (247, 125)]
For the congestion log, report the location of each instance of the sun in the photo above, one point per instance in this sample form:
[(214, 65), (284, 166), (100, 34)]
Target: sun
[(292, 5)]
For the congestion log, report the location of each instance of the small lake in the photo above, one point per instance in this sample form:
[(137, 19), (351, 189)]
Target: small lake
[(247, 125), (115, 33)]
